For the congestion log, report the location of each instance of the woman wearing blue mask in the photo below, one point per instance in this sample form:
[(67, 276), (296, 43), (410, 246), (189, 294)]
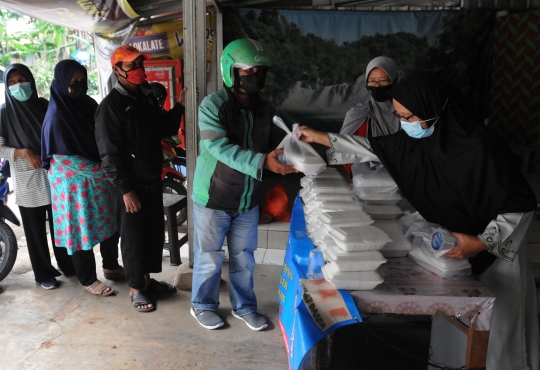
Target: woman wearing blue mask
[(457, 174), (21, 118)]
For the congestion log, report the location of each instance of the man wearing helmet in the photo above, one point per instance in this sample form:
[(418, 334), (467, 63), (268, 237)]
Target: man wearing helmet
[(129, 128), (237, 142)]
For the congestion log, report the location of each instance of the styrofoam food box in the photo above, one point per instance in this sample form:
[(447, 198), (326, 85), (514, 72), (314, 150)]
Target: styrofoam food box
[(354, 261), (343, 218), (399, 246), (324, 242), (383, 212), (325, 187), (328, 172), (360, 238), (306, 182), (363, 175), (336, 206), (330, 205), (321, 197), (375, 198), (363, 280), (418, 257)]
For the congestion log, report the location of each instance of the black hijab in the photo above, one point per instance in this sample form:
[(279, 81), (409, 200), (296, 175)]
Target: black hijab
[(69, 124), (461, 176), (21, 121)]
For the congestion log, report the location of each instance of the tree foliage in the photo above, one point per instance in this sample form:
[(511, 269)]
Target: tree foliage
[(41, 45)]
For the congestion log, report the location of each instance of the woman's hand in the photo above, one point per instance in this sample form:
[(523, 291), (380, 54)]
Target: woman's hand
[(309, 135), (467, 247), (132, 202), (31, 157)]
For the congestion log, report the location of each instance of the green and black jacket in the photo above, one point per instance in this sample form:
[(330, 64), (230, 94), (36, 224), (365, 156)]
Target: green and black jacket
[(234, 143)]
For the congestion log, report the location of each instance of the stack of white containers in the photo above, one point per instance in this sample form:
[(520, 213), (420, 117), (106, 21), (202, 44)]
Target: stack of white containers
[(338, 225), (379, 194)]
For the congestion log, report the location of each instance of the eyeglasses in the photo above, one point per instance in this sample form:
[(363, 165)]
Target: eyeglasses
[(406, 119), (379, 82)]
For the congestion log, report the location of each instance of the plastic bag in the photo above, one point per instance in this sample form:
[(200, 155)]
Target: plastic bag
[(301, 155), (277, 204), (445, 267)]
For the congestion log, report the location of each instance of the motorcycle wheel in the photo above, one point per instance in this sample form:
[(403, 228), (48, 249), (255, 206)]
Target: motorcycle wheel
[(8, 249), (175, 187)]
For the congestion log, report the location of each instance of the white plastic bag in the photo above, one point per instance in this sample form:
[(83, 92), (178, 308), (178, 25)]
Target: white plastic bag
[(301, 155), (445, 267)]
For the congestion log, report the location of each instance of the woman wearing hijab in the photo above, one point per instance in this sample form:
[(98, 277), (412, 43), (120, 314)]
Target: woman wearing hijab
[(381, 76), (83, 208), (459, 175), (21, 118)]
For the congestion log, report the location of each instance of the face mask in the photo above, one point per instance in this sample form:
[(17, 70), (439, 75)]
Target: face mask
[(78, 89), (415, 130), (379, 93), (21, 91), (252, 83), (136, 75)]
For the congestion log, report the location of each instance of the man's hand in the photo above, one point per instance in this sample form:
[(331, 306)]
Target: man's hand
[(274, 165), (182, 99), (310, 135), (33, 158), (132, 202), (467, 247)]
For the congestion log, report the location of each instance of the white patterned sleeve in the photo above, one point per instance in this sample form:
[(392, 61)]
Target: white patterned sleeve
[(498, 235), (349, 149)]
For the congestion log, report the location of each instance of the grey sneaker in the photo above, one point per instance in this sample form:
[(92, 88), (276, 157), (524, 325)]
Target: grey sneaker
[(208, 319), (254, 320)]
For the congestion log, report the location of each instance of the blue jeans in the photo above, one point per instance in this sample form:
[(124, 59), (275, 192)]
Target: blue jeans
[(210, 228)]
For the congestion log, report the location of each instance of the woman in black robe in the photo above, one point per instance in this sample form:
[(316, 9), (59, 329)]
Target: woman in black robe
[(456, 173)]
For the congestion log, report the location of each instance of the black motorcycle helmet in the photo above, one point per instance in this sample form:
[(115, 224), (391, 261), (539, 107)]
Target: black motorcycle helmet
[(159, 92)]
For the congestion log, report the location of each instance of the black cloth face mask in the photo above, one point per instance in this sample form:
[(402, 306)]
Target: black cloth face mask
[(252, 83), (380, 93), (78, 89)]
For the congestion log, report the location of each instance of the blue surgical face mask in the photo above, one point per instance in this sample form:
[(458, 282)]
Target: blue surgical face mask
[(415, 130), (21, 91)]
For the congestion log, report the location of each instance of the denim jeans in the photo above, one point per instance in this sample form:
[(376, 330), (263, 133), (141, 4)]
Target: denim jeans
[(210, 228)]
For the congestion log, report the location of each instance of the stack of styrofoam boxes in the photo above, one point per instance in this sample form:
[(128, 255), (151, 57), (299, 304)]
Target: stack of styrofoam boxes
[(331, 215), (379, 195)]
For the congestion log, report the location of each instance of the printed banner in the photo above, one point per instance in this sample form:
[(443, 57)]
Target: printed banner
[(162, 40), (166, 40), (323, 55), (309, 310)]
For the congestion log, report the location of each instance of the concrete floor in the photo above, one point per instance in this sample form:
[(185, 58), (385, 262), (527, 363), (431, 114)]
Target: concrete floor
[(67, 328)]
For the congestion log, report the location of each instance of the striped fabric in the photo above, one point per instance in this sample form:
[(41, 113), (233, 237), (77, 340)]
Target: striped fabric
[(31, 186)]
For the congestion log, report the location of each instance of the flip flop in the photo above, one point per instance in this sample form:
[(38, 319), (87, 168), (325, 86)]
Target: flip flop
[(98, 289), (160, 287), (139, 299)]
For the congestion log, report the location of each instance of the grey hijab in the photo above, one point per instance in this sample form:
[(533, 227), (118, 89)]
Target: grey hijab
[(383, 122)]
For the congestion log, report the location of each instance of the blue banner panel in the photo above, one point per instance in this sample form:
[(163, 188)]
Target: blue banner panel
[(309, 310)]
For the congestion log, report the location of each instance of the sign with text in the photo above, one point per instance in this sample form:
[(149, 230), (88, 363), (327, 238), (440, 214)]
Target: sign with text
[(309, 310)]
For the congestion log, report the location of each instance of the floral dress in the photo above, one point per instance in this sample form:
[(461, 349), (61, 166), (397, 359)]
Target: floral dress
[(82, 203)]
